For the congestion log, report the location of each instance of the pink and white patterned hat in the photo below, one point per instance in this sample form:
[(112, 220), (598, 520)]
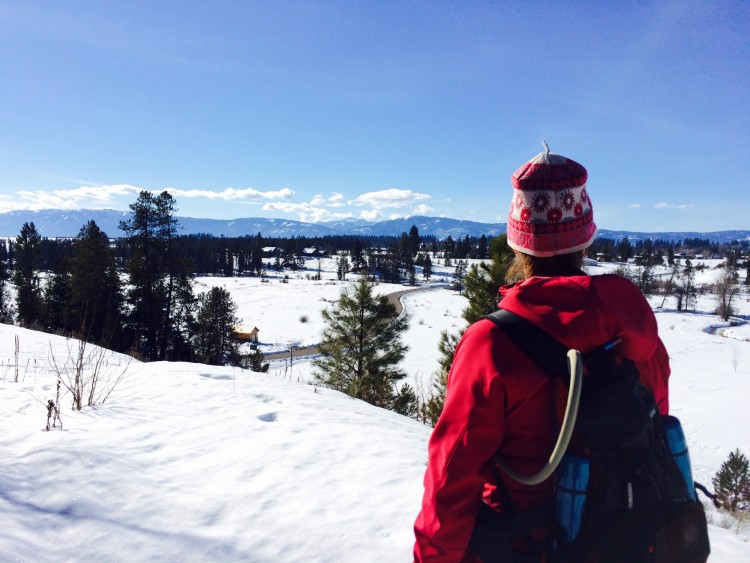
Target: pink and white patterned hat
[(551, 211)]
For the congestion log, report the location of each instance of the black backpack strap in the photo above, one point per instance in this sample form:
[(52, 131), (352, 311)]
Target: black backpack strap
[(551, 356), (537, 344)]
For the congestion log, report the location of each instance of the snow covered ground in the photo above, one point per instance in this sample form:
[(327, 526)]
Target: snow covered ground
[(187, 462)]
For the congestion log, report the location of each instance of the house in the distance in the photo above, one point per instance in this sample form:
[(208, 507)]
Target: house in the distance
[(312, 252), (246, 333)]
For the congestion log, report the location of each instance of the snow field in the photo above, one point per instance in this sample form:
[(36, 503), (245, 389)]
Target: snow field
[(186, 462)]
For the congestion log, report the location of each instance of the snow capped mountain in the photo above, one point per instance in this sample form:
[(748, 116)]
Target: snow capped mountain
[(54, 223)]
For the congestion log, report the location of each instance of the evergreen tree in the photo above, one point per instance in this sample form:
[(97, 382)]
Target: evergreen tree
[(691, 296), (216, 321), (482, 249), (26, 275), (342, 267), (414, 240), (358, 260), (96, 293), (624, 249), (255, 361), (406, 402), (6, 309), (433, 406), (483, 281), (361, 346), (57, 293), (458, 276), (160, 295), (177, 315), (732, 483), (482, 291), (412, 274), (427, 267)]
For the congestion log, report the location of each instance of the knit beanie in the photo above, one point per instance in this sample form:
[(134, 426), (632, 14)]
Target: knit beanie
[(551, 212)]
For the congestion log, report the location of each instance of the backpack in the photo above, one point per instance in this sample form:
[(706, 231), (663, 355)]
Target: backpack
[(637, 502)]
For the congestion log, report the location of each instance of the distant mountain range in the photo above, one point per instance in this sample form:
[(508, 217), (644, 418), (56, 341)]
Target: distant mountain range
[(56, 223)]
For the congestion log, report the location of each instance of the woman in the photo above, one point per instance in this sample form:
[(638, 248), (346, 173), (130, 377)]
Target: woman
[(499, 404)]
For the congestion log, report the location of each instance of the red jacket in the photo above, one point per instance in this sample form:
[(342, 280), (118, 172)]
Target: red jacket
[(499, 401)]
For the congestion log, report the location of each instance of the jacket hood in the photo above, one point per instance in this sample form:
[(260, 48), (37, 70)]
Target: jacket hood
[(584, 312)]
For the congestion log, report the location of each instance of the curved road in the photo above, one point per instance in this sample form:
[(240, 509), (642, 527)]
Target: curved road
[(393, 298)]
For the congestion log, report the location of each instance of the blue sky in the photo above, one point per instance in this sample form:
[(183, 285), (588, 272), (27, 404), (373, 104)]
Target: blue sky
[(323, 110)]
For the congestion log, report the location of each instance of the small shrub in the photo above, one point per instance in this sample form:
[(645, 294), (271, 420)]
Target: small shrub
[(303, 319)]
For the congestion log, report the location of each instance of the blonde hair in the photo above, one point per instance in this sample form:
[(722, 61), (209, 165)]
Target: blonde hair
[(526, 266)]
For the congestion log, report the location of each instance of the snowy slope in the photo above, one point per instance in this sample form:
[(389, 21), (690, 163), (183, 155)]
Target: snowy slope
[(186, 462)]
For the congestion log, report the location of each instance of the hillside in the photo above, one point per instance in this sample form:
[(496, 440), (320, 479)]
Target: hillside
[(197, 463), (55, 223)]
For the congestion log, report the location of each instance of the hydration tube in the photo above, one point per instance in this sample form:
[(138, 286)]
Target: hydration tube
[(566, 430)]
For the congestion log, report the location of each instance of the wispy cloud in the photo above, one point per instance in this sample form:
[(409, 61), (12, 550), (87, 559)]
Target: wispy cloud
[(100, 196), (66, 199), (389, 198), (634, 206), (231, 194), (665, 205)]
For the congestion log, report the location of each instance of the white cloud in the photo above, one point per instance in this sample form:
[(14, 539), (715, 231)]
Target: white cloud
[(317, 200), (665, 205), (372, 215), (422, 209), (99, 196), (389, 198), (306, 211), (230, 194), (67, 199), (634, 206), (336, 200)]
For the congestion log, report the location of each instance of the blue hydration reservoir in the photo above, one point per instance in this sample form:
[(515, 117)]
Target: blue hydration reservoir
[(570, 494), (678, 446)]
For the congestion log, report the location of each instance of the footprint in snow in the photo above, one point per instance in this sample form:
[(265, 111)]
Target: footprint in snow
[(268, 417)]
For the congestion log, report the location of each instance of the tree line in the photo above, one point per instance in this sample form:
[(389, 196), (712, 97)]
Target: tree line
[(145, 306)]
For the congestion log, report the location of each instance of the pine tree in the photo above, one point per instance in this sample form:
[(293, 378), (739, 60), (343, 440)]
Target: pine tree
[(358, 260), (342, 267), (255, 361), (482, 291), (691, 297), (216, 321), (732, 483), (458, 276), (160, 295), (427, 267), (406, 402), (433, 406), (26, 275), (414, 240), (96, 292), (57, 294), (483, 282), (6, 309), (624, 249), (361, 346)]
